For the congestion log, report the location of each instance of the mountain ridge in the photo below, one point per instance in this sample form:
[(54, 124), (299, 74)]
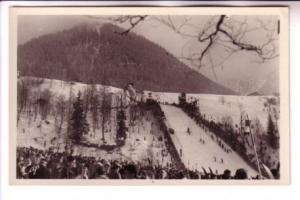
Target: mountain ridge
[(98, 54)]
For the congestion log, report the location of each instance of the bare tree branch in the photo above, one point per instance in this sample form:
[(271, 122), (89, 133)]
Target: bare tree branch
[(177, 29), (223, 31), (133, 21)]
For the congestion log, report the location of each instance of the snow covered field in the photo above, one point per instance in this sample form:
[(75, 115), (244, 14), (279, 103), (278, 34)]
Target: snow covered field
[(142, 144), (213, 106), (144, 141), (59, 87), (218, 106), (195, 154)]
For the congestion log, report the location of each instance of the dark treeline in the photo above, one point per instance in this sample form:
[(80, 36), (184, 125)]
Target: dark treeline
[(102, 56)]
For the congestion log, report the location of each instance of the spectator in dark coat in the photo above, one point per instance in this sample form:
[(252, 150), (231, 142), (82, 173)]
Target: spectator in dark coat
[(241, 174), (42, 172), (129, 171), (114, 172), (226, 174)]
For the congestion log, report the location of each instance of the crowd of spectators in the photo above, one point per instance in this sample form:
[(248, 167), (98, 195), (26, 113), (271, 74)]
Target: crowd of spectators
[(33, 163)]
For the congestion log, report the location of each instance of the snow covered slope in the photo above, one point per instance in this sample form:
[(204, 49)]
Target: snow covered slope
[(143, 142), (59, 87), (216, 107), (144, 136), (196, 154)]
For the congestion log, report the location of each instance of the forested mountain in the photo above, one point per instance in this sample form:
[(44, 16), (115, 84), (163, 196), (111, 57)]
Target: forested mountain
[(99, 54)]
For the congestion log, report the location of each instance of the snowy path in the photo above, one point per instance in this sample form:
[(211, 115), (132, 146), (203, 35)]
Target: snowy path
[(196, 154)]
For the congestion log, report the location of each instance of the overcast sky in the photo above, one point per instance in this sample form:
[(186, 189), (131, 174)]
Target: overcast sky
[(242, 66)]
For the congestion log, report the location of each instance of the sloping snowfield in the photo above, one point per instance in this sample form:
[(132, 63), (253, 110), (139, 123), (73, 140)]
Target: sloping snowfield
[(59, 87), (195, 154), (142, 143), (217, 106)]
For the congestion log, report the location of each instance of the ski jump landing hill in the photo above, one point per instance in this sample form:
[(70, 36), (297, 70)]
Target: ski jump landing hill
[(196, 147)]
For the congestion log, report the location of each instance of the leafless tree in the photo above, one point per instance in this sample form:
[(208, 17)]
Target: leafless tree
[(132, 20), (105, 109), (60, 109), (70, 109), (257, 126), (228, 33), (44, 103), (227, 122), (23, 97), (93, 105)]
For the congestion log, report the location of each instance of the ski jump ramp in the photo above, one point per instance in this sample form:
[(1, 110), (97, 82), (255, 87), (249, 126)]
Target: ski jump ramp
[(197, 148)]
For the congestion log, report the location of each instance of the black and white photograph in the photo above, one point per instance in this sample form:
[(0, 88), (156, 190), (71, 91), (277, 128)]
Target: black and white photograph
[(153, 94)]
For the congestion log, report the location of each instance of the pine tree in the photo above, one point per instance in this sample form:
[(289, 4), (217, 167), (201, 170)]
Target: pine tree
[(182, 99), (70, 109), (79, 125), (272, 133), (122, 129)]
